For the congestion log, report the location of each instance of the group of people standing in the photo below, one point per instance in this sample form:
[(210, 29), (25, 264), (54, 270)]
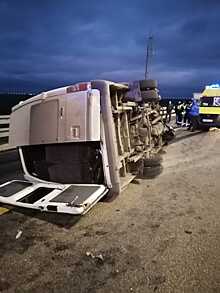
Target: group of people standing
[(187, 114)]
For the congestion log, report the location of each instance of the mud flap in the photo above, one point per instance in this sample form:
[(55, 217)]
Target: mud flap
[(74, 199)]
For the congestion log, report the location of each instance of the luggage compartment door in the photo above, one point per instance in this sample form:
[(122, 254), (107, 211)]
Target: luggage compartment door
[(74, 199), (44, 122)]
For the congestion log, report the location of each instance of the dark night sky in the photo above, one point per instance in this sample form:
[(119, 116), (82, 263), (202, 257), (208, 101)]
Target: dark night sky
[(48, 44)]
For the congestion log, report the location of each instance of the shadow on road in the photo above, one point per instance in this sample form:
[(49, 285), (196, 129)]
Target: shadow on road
[(188, 135), (60, 220)]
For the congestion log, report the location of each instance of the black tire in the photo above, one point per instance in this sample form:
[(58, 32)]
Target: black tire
[(148, 84), (150, 96), (153, 162), (151, 172)]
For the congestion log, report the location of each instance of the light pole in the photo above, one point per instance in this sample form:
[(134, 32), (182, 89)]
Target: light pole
[(148, 55)]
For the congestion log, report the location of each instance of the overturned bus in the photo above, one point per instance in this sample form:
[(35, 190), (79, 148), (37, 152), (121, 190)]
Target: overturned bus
[(80, 142)]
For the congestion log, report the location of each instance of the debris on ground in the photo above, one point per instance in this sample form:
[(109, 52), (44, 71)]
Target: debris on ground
[(3, 210), (136, 181), (19, 234), (188, 232), (99, 257)]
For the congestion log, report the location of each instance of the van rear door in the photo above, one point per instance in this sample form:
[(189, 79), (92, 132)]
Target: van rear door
[(76, 199)]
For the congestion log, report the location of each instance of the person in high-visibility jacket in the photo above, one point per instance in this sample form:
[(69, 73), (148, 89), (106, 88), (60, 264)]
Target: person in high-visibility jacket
[(179, 113)]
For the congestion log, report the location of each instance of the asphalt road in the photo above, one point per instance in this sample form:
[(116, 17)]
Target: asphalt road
[(162, 235)]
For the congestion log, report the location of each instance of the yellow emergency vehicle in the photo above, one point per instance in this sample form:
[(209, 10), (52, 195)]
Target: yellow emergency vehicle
[(209, 110)]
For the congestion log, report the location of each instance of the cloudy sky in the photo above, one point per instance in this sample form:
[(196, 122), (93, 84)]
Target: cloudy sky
[(45, 44)]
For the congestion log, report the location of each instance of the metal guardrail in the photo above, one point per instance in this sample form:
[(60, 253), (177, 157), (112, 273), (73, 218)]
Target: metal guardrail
[(4, 132), (4, 126), (163, 112)]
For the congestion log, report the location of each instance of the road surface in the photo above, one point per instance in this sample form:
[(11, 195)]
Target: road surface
[(162, 235)]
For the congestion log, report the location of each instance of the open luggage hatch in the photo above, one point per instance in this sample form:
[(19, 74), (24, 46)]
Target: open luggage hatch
[(61, 198)]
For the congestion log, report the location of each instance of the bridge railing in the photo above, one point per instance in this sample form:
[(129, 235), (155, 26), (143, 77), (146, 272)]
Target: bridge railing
[(4, 131)]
